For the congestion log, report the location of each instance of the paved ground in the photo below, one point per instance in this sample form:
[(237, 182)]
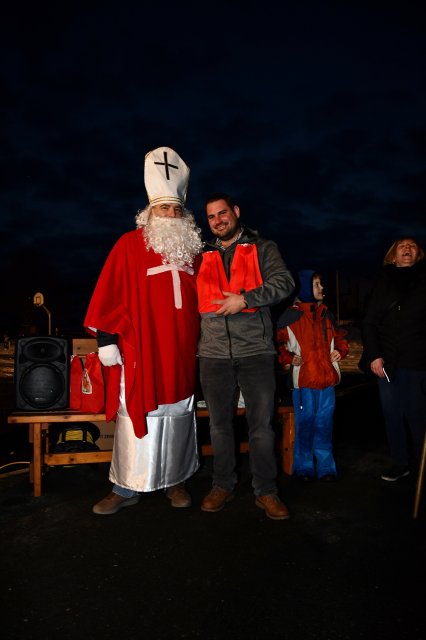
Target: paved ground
[(349, 564)]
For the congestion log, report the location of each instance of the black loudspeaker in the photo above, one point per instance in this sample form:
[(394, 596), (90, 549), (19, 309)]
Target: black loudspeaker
[(42, 374)]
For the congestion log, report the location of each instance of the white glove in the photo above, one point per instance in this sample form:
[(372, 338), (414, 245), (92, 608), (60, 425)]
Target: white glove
[(110, 355)]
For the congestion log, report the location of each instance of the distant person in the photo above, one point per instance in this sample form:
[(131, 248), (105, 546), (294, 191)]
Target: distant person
[(394, 340), (144, 313), (240, 277), (311, 345)]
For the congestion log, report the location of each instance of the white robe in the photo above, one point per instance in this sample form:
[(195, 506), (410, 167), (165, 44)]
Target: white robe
[(166, 456)]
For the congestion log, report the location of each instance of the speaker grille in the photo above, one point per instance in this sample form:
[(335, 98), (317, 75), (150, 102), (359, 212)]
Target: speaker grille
[(43, 351), (42, 386)]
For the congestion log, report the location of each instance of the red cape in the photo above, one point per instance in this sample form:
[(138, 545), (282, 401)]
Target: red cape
[(158, 341)]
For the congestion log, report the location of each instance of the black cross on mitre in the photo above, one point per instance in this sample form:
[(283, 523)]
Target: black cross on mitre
[(167, 164)]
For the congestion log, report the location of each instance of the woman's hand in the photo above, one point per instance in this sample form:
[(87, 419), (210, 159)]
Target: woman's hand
[(377, 367)]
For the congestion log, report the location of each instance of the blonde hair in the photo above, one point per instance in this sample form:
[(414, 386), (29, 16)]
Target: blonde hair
[(391, 252)]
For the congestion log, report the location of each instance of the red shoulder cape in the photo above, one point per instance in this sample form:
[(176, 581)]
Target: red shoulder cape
[(158, 341)]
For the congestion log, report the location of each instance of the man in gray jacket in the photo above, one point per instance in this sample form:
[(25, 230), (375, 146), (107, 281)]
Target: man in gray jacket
[(240, 277)]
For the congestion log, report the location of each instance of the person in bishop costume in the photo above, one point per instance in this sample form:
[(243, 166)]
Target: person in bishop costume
[(144, 314)]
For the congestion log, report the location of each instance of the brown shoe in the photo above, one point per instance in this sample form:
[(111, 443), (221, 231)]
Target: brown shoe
[(273, 507), (179, 496), (216, 499), (113, 503)]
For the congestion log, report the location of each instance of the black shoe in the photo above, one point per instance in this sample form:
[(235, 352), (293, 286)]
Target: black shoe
[(329, 477), (395, 473)]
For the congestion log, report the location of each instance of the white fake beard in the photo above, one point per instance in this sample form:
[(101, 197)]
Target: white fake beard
[(177, 240)]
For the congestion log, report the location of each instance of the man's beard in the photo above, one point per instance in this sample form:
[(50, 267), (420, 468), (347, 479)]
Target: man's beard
[(177, 240)]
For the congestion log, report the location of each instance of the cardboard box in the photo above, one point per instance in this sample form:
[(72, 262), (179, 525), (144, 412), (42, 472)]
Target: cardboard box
[(106, 439)]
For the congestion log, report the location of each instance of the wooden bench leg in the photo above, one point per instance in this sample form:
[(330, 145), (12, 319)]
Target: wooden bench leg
[(287, 442), (31, 441), (36, 430), (420, 479)]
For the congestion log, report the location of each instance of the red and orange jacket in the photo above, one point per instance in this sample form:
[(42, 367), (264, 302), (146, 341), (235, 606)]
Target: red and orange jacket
[(309, 330)]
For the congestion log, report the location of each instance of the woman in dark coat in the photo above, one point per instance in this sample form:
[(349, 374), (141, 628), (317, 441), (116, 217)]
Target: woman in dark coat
[(394, 339)]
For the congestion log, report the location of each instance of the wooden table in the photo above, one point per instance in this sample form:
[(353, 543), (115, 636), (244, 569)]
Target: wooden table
[(38, 430)]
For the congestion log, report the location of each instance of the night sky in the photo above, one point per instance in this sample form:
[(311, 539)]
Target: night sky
[(311, 114)]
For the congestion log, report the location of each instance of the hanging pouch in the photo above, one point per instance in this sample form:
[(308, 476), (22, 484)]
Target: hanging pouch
[(87, 390)]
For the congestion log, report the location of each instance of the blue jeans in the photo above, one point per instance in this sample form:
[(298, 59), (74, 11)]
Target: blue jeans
[(403, 403), (255, 377), (313, 445), (123, 492)]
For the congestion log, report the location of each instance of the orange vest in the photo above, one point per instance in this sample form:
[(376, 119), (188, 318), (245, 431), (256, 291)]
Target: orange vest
[(212, 280)]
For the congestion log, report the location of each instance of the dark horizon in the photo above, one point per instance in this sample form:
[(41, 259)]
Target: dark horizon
[(67, 306)]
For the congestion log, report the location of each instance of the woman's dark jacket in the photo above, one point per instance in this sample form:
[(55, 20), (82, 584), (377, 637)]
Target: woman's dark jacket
[(394, 322)]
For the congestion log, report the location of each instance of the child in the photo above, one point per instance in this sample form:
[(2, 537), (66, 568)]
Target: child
[(309, 341)]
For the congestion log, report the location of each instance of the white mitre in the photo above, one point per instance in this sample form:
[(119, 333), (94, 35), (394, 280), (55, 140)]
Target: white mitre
[(166, 176)]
